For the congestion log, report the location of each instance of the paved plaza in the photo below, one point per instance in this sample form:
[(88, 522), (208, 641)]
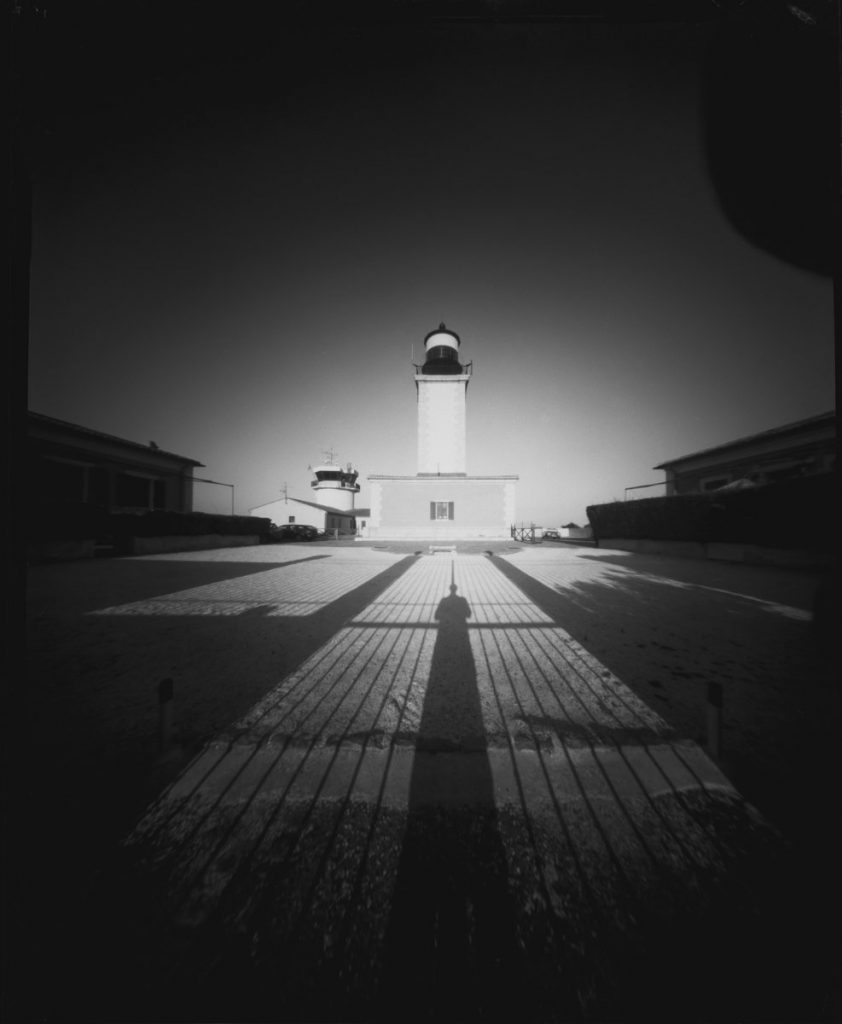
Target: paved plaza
[(447, 808)]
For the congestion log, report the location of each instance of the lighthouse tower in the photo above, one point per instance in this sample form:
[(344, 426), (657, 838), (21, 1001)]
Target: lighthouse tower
[(441, 384), (335, 486), (441, 502)]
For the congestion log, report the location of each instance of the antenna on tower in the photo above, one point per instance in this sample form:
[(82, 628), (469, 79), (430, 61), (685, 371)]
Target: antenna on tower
[(284, 492)]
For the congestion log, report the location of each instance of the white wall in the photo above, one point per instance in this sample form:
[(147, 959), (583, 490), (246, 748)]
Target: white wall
[(441, 424), (280, 511), (329, 492)]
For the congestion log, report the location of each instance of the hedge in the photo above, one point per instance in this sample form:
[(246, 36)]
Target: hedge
[(798, 513), (79, 521), (185, 524)]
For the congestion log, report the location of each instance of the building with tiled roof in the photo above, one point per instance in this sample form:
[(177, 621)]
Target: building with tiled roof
[(803, 448), (67, 462)]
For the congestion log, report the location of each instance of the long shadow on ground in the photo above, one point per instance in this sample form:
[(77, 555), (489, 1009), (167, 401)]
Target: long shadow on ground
[(451, 934), (84, 771), (782, 722)]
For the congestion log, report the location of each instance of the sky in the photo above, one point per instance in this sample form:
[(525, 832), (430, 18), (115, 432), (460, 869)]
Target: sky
[(241, 234)]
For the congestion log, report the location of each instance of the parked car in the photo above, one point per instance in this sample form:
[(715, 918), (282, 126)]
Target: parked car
[(551, 534), (294, 531)]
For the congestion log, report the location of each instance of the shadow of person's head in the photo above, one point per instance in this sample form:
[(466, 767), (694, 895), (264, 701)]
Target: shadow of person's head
[(453, 609)]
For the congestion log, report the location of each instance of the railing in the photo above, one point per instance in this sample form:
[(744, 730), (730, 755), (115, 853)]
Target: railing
[(640, 487), (219, 483), (467, 369), (529, 534)]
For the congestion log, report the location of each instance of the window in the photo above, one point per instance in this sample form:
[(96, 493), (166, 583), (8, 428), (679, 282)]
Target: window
[(291, 519), (789, 472), (714, 483), (98, 486), (132, 491), (441, 510), (60, 480)]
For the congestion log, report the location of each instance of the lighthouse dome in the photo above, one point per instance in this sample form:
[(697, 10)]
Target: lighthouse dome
[(442, 352), (442, 336)]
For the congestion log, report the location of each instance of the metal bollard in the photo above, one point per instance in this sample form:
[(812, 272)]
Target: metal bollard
[(165, 714), (714, 720)]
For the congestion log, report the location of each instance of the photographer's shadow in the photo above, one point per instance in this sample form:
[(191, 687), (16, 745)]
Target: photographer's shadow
[(450, 939)]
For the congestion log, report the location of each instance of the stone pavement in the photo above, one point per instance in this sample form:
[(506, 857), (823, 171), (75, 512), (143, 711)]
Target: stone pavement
[(450, 810)]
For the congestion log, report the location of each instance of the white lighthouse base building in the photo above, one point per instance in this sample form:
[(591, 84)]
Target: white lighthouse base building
[(441, 507)]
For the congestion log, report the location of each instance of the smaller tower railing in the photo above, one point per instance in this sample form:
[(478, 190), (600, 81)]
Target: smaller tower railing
[(333, 485)]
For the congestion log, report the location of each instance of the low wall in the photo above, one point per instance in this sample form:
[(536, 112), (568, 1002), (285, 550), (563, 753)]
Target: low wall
[(445, 535), (748, 554)]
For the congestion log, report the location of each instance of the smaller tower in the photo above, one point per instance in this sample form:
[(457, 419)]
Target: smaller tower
[(334, 485)]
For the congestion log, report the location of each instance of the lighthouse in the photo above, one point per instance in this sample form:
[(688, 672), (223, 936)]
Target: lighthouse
[(442, 502), (441, 385)]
